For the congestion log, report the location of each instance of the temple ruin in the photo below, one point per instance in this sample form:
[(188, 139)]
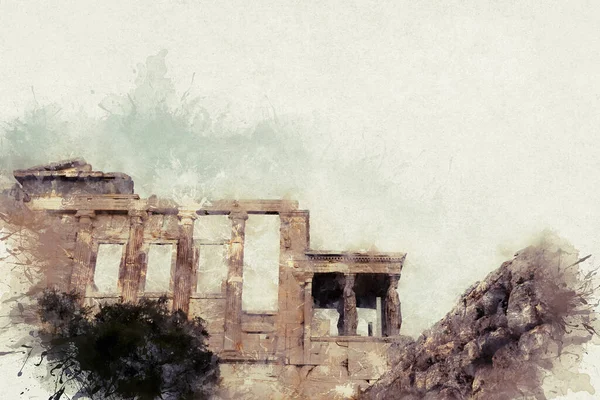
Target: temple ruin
[(334, 315)]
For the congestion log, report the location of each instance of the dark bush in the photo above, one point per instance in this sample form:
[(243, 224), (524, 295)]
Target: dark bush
[(126, 351)]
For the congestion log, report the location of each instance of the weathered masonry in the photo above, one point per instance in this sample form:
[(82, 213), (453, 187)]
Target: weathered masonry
[(333, 309)]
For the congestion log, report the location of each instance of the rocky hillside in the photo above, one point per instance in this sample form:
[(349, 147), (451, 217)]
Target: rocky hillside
[(521, 326)]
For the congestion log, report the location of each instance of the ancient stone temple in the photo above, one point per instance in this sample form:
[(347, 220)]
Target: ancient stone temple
[(333, 316)]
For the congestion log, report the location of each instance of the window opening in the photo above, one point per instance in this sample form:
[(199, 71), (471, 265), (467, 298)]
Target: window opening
[(108, 264), (160, 265), (261, 263), (211, 236)]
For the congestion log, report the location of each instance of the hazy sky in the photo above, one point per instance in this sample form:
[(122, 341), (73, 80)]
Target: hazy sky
[(454, 131)]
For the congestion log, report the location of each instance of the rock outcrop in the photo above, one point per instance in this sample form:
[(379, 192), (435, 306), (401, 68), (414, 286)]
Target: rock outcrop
[(505, 336)]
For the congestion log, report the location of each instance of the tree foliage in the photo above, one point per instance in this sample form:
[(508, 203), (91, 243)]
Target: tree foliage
[(126, 351)]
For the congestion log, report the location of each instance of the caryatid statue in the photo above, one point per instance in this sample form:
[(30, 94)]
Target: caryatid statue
[(348, 320), (393, 314)]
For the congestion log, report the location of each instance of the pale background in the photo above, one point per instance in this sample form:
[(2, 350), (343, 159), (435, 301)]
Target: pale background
[(455, 131)]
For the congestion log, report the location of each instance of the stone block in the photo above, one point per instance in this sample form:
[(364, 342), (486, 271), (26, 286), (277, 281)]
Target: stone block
[(210, 310), (170, 228), (294, 348), (367, 360), (253, 323), (258, 345), (153, 226)]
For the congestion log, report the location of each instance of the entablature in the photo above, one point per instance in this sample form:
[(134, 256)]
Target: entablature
[(320, 261), (125, 202), (356, 268)]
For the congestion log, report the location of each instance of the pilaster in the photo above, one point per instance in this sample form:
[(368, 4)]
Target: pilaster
[(83, 250), (235, 259), (134, 258), (184, 268)]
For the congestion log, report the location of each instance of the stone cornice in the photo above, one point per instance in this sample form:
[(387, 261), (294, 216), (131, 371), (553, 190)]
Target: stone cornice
[(354, 257), (21, 175)]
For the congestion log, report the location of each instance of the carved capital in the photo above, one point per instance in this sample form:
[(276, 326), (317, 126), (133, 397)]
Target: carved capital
[(308, 277), (238, 215), (85, 216), (285, 218), (137, 217), (187, 217)]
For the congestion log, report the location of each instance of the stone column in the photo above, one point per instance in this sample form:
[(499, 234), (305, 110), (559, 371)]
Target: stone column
[(134, 258), (350, 315), (392, 318), (235, 259), (184, 267), (81, 274)]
